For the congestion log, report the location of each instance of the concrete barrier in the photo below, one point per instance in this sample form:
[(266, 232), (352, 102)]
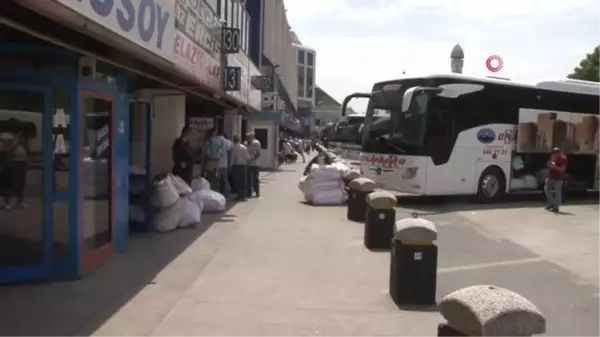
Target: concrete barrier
[(379, 220), (484, 310), (413, 263), (358, 189)]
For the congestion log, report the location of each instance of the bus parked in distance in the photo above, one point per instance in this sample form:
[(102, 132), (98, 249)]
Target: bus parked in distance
[(346, 140), (460, 135)]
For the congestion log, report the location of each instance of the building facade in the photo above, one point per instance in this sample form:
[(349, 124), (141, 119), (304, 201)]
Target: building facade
[(271, 47), (327, 109), (99, 90)]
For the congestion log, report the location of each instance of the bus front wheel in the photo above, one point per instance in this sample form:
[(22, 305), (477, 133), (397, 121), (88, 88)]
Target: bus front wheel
[(492, 185)]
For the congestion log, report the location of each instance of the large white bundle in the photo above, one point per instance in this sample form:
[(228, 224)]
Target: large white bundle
[(517, 183), (331, 197), (212, 201), (180, 185), (200, 184), (167, 219), (305, 184), (342, 167), (325, 172), (165, 194), (190, 210), (325, 185)]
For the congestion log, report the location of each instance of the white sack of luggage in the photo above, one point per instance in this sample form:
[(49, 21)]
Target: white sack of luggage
[(324, 185), (211, 200), (200, 184), (185, 212), (180, 185), (164, 194)]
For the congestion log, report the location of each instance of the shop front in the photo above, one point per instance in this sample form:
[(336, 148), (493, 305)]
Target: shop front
[(70, 129), (64, 163)]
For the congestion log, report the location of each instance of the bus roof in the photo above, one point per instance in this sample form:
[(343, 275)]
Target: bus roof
[(562, 85)]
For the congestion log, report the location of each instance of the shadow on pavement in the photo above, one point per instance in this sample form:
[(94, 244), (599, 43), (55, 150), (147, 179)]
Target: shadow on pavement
[(80, 307), (418, 308), (429, 205)]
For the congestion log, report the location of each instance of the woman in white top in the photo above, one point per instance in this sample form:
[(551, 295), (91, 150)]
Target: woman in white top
[(239, 166)]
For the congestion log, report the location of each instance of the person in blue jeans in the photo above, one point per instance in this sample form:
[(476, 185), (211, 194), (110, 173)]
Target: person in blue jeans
[(216, 154), (254, 150)]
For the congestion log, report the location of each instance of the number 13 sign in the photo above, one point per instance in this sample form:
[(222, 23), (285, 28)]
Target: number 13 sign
[(233, 76)]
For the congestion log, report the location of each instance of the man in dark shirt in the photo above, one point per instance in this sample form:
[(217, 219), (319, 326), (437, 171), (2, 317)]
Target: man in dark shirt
[(557, 165)]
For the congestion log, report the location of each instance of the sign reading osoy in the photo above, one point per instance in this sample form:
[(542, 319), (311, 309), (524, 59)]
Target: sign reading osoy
[(148, 23), (230, 44)]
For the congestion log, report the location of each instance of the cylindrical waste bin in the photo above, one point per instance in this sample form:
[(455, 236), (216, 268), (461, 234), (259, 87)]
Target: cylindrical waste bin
[(380, 218), (413, 263), (358, 189)]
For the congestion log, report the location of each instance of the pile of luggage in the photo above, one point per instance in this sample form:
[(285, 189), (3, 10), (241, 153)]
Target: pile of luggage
[(181, 205)]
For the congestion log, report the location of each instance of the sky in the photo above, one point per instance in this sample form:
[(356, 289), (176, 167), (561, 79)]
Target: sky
[(360, 42)]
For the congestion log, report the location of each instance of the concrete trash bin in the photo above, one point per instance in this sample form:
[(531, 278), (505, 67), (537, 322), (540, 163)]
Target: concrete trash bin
[(353, 174), (358, 189), (413, 263), (380, 218), (484, 310)]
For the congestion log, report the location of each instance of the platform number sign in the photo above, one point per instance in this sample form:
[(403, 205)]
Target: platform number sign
[(233, 76), (231, 40)]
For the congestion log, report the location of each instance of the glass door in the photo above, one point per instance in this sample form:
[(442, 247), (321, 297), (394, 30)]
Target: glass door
[(97, 178), (25, 183)]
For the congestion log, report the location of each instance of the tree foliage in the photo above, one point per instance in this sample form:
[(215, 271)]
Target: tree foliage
[(588, 68)]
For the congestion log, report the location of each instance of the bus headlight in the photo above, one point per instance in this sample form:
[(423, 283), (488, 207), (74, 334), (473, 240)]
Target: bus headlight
[(410, 173)]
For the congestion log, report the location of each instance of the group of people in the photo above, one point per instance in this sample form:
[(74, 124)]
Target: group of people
[(230, 165), (291, 148)]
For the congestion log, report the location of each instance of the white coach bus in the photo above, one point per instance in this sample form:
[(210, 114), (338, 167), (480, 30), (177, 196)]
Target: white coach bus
[(460, 135)]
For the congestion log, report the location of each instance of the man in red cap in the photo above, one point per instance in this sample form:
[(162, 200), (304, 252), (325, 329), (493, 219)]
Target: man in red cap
[(557, 165)]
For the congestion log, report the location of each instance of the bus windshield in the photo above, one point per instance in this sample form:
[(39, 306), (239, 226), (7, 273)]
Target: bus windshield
[(387, 129)]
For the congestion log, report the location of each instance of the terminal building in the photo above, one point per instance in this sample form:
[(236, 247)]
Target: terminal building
[(95, 92)]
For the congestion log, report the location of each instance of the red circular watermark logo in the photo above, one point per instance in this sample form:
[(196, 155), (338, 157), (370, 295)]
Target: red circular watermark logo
[(494, 63)]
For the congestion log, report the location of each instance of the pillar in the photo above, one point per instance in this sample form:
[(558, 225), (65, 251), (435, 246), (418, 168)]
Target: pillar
[(169, 119)]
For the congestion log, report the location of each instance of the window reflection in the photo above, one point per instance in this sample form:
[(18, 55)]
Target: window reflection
[(21, 229), (96, 174), (300, 81), (61, 140)]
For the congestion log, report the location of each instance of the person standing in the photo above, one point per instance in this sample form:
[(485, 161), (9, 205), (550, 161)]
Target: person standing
[(239, 165), (300, 148), (183, 163), (14, 168), (216, 153), (557, 165), (210, 160), (254, 150)]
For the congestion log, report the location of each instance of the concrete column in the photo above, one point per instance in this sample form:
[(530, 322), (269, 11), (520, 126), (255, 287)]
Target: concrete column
[(233, 123), (169, 119)]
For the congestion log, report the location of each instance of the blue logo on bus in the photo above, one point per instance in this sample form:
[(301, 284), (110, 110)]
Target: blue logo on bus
[(486, 136)]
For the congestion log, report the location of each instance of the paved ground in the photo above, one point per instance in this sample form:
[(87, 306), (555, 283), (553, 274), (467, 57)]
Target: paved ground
[(275, 266)]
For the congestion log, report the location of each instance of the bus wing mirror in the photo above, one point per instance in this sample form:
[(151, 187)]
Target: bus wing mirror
[(350, 97)]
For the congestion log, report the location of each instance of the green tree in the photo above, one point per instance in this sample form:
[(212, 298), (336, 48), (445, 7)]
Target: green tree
[(588, 69)]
